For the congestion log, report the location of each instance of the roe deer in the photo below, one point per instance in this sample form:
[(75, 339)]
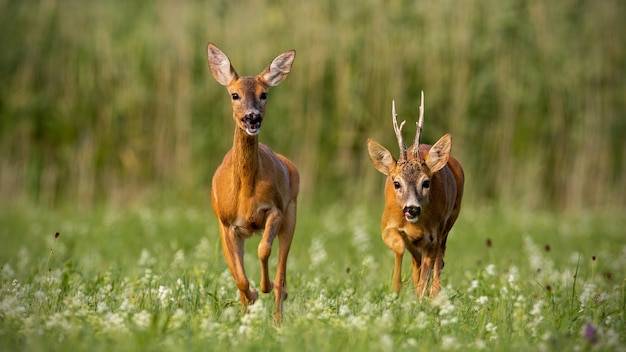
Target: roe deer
[(254, 189), (423, 193)]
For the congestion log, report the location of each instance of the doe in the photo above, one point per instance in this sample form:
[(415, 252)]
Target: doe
[(254, 189)]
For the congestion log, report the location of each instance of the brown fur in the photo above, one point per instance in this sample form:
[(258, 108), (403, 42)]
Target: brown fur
[(254, 189), (440, 205)]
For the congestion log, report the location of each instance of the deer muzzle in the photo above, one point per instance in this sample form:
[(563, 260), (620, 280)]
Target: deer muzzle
[(252, 122), (412, 212)]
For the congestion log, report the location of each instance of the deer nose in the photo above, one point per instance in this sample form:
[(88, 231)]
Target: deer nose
[(412, 210), (252, 117)]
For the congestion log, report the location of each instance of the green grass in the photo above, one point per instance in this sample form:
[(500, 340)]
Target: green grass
[(153, 278), (115, 100)]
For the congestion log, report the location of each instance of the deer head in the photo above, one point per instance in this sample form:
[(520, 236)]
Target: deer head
[(248, 93), (412, 172)]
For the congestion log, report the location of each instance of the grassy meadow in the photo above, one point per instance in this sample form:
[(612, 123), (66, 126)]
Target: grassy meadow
[(111, 127), (153, 279)]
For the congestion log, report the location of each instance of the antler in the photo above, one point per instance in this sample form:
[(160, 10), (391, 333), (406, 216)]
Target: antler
[(398, 130), (419, 124)]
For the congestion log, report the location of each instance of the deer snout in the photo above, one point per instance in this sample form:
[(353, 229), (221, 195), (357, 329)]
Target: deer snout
[(411, 212), (252, 121)]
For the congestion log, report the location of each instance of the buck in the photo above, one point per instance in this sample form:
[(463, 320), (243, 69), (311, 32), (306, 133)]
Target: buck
[(254, 189), (423, 193)]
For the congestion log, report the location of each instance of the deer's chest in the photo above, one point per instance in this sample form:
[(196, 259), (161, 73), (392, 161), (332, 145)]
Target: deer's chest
[(246, 213)]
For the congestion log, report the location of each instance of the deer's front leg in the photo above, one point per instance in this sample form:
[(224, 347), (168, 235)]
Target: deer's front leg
[(393, 240), (272, 224), (232, 246)]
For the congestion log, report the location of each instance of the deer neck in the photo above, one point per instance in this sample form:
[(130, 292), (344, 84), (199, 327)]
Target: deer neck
[(245, 158)]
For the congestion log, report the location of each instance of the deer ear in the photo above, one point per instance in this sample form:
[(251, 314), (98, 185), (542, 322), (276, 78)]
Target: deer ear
[(278, 70), (220, 65), (439, 153), (381, 158)]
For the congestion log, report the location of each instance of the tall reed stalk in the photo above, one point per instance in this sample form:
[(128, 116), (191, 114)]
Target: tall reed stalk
[(113, 100)]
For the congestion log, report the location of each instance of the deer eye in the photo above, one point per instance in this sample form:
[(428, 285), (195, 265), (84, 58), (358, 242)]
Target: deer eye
[(426, 184), (396, 184), (263, 96), (235, 96)]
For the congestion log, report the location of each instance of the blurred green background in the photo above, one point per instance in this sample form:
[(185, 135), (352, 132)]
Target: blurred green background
[(112, 101)]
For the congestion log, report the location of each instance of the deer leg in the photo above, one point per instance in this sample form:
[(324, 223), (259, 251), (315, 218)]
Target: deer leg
[(285, 237), (416, 271), (425, 273), (272, 223), (438, 265), (393, 240), (232, 245)]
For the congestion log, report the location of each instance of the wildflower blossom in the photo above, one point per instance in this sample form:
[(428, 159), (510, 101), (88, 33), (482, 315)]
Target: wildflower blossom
[(114, 322), (473, 286), (317, 252), (142, 319), (360, 239), (590, 333), (164, 294), (589, 292), (178, 319), (179, 258), (490, 270), (421, 321), (491, 329), (386, 342), (7, 272), (513, 277), (449, 343), (251, 318), (146, 259)]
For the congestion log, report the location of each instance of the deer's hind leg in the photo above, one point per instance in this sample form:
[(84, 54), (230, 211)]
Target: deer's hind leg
[(285, 237), (272, 224)]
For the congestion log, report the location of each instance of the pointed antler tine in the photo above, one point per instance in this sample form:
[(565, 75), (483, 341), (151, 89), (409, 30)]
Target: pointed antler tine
[(420, 123), (398, 130)]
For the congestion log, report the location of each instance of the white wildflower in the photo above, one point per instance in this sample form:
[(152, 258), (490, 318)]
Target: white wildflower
[(252, 317), (369, 262), (449, 343), (589, 291), (360, 239), (142, 319), (7, 272), (537, 309), (421, 321), (482, 300), (102, 307), (449, 321), (179, 258), (491, 329), (480, 345), (357, 321), (443, 302), (178, 319), (114, 322), (164, 294), (146, 259), (10, 308), (344, 310), (490, 270), (513, 277), (473, 286), (386, 342), (317, 252)]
